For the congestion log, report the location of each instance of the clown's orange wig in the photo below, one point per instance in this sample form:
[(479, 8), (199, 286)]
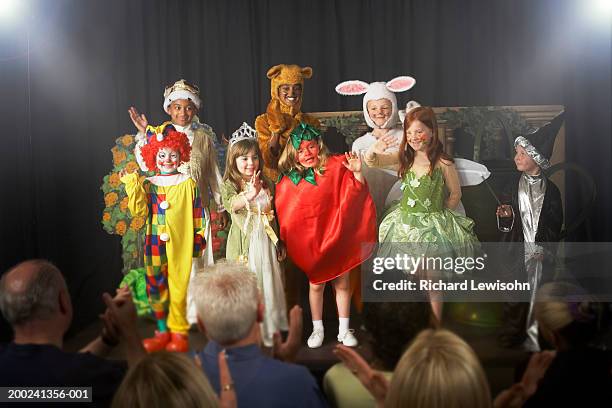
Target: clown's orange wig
[(173, 140)]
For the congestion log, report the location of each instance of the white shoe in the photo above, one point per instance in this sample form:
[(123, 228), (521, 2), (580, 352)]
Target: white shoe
[(316, 339), (348, 339)]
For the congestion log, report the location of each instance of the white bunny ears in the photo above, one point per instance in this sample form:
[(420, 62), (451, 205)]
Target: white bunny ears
[(375, 91), (356, 87)]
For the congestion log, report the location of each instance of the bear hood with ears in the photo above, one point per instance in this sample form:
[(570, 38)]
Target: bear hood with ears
[(287, 75), (378, 90)]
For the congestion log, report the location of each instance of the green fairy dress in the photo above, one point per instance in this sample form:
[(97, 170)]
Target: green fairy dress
[(422, 221)]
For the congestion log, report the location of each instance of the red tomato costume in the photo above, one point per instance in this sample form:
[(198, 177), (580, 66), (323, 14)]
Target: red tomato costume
[(329, 228)]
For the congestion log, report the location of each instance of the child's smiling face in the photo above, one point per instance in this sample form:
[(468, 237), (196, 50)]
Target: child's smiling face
[(248, 164), (308, 153), (290, 95), (379, 110), (167, 160), (418, 135), (182, 112)]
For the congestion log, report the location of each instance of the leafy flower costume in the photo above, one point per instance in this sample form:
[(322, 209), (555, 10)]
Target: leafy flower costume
[(422, 217)]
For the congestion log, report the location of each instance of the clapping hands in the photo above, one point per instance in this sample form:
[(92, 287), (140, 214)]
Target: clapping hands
[(287, 351), (373, 380), (384, 143)]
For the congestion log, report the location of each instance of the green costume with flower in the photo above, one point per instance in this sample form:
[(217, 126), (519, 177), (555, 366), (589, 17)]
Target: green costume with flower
[(421, 218)]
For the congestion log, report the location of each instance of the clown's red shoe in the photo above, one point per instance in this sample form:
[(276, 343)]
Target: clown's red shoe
[(179, 343), (156, 343)]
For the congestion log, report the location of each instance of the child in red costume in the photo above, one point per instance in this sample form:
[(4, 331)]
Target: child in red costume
[(327, 221)]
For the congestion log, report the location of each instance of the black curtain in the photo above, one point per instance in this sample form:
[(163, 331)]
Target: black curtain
[(70, 69)]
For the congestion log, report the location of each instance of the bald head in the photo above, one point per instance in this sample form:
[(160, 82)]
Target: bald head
[(30, 291)]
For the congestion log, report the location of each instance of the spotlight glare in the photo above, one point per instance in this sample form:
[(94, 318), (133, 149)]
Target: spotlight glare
[(9, 9), (604, 7)]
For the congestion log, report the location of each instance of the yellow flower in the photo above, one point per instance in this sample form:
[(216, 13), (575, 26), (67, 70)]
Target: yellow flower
[(137, 223), (106, 216), (120, 228), (118, 156), (114, 180), (131, 167), (123, 204), (110, 199), (127, 140)]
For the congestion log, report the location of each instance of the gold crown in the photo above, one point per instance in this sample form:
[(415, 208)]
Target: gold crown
[(181, 85)]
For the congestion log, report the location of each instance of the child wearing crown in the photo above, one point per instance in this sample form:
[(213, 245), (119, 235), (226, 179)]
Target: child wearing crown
[(317, 200), (174, 234), (253, 236), (182, 103)]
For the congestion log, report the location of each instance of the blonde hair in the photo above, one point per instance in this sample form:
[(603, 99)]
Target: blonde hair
[(240, 148), (565, 309), (165, 379), (288, 158), (439, 369)]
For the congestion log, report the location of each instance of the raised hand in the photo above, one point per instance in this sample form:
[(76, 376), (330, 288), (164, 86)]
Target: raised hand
[(520, 392), (288, 350), (253, 187), (227, 398), (353, 162), (139, 119), (276, 118), (536, 368), (383, 143), (373, 380)]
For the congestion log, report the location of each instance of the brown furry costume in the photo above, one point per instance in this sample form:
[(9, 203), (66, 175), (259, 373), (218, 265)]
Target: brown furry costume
[(280, 118)]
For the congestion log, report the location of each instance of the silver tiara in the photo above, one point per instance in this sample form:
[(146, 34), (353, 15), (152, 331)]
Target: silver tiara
[(244, 132)]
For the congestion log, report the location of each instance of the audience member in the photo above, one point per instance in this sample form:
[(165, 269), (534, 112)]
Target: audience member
[(35, 301), (439, 369), (580, 374), (168, 380), (229, 309), (391, 327)]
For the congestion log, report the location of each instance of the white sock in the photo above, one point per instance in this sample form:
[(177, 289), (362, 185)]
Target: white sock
[(317, 325), (343, 325)]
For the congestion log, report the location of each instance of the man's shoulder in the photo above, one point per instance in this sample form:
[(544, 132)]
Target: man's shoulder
[(46, 363), (287, 371)]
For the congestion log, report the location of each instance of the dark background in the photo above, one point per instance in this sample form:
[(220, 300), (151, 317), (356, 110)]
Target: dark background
[(70, 69)]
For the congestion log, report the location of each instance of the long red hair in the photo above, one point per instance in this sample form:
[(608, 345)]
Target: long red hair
[(174, 140), (435, 150)]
